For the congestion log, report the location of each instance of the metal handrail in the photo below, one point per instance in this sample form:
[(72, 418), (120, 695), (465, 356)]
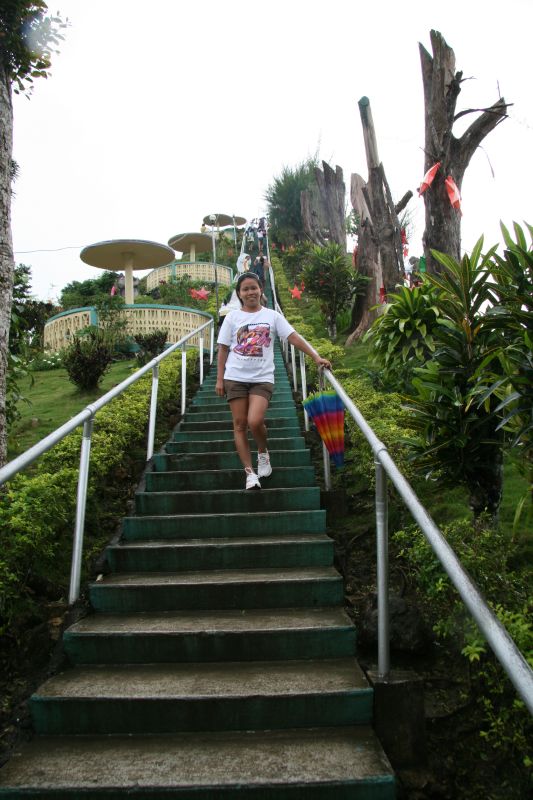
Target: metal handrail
[(86, 418), (501, 643)]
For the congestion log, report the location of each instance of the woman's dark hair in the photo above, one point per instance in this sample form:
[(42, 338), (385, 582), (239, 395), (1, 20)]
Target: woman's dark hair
[(242, 278)]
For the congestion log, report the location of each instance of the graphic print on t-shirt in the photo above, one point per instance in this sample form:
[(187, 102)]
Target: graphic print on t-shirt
[(252, 338)]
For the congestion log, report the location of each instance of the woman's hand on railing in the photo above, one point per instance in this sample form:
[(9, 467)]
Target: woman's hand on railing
[(322, 363)]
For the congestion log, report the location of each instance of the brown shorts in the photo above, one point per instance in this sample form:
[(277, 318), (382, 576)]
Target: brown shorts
[(236, 389)]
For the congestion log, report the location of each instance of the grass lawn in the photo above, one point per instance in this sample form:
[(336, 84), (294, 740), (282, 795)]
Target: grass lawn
[(53, 401)]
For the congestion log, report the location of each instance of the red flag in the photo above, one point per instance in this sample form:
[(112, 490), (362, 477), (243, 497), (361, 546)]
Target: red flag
[(428, 178), (454, 194)]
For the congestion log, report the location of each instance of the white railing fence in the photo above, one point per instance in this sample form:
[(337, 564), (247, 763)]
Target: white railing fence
[(86, 418)]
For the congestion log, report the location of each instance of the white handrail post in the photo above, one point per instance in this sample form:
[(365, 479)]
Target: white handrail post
[(303, 376), (201, 352), (153, 412), (293, 362), (211, 341), (183, 379), (81, 502), (382, 545)]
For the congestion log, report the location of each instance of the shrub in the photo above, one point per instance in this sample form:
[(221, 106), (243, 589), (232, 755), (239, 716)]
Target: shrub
[(151, 345), (37, 510), (87, 359), (43, 362), (487, 555)]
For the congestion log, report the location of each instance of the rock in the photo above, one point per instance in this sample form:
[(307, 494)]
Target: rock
[(408, 631)]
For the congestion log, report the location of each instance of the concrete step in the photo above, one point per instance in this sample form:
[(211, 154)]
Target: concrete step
[(167, 698), (293, 587), (295, 764), (228, 445), (228, 635), (221, 553), (191, 526), (204, 480), (225, 433), (166, 462), (219, 423), (228, 501), (196, 414), (201, 398)]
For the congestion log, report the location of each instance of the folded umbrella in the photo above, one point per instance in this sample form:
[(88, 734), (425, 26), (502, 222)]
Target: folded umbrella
[(326, 411)]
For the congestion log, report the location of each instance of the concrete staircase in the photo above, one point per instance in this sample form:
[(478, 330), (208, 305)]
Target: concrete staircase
[(219, 661)]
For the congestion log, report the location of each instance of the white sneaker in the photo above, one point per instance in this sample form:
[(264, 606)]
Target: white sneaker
[(264, 468), (252, 481)]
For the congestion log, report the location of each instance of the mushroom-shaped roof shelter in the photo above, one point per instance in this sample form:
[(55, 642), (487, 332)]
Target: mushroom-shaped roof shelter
[(190, 242), (127, 255)]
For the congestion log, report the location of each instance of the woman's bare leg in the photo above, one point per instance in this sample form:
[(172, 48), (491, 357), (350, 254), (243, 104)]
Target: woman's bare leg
[(239, 412), (257, 407)]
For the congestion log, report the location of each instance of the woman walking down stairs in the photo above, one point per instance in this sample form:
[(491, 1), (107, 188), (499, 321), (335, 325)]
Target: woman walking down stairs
[(218, 661)]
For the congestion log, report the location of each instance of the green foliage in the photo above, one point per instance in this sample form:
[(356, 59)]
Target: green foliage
[(44, 362), (459, 437), (37, 509), (88, 293), (402, 337), (294, 259), (511, 292), (87, 359), (390, 422), (27, 40), (488, 557), (331, 279), (283, 202), (151, 345)]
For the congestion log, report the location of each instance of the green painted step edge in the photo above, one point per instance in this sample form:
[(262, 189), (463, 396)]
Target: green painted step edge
[(78, 716), (198, 525), (172, 557), (212, 646), (230, 501), (170, 462), (304, 593), (203, 480), (222, 445)]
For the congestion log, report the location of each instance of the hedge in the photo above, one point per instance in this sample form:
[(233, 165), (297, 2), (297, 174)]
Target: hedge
[(38, 508)]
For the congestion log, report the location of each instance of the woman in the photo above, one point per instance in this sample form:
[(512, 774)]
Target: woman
[(246, 370)]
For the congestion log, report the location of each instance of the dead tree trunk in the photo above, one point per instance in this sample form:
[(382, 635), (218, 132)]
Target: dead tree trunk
[(441, 89), (323, 207), (6, 247), (380, 251)]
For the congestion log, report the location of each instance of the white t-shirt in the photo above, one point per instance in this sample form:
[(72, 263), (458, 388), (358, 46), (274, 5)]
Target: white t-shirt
[(250, 338)]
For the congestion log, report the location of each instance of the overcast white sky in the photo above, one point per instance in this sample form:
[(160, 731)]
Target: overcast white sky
[(159, 113)]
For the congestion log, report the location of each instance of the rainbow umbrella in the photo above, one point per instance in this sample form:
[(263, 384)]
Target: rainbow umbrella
[(326, 411)]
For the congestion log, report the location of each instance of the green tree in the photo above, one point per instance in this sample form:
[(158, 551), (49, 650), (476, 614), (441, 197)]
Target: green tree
[(88, 293), (283, 201), (28, 38), (330, 277)]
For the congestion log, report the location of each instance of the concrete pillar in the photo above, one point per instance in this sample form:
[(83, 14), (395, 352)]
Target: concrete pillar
[(399, 719)]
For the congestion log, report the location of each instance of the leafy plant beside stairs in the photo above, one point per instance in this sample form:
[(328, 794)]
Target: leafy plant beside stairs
[(37, 508)]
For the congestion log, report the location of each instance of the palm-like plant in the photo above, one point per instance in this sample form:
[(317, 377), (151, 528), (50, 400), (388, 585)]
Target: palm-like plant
[(330, 277), (402, 337), (283, 199), (458, 422)]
